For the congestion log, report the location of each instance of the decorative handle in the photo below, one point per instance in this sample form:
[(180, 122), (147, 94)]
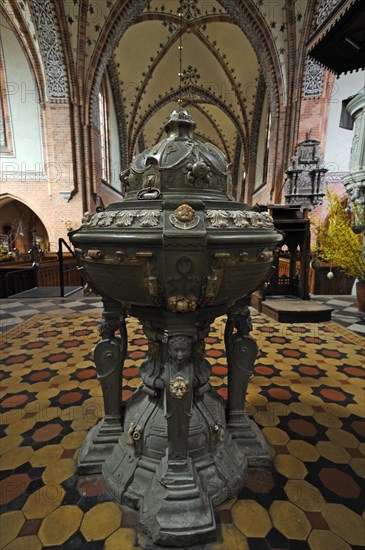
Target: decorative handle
[(148, 193)]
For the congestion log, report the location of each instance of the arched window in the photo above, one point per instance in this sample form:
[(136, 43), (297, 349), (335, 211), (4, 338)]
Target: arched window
[(104, 133)]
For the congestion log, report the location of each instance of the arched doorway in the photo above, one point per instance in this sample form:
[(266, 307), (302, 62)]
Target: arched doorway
[(16, 224)]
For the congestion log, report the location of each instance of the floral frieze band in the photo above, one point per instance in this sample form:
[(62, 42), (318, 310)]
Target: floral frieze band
[(121, 218), (243, 219)]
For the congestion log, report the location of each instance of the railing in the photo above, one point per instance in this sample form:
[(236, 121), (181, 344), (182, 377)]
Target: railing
[(69, 274), (16, 280), (57, 270)]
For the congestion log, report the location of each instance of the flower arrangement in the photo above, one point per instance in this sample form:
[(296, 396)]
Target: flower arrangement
[(4, 253), (339, 243)]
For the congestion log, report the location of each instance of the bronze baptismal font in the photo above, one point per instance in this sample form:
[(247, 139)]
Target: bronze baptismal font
[(176, 254)]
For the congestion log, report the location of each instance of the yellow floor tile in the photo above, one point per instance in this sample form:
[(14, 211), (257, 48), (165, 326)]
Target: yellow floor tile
[(251, 518), (58, 526), (301, 409), (345, 523), (303, 450), (30, 542), (290, 467), (264, 418), (73, 440), (10, 525), (232, 539), (48, 394), (68, 386), (304, 495), (10, 442), (342, 438), (59, 471), (44, 501), (20, 387), (320, 539), (327, 420), (289, 520), (46, 455), (121, 539), (333, 452), (358, 465), (275, 436), (101, 521), (15, 458)]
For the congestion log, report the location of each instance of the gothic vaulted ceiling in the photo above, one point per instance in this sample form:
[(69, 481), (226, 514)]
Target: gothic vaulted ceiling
[(222, 80)]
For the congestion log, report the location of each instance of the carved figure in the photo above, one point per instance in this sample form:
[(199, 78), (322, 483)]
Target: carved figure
[(198, 174)]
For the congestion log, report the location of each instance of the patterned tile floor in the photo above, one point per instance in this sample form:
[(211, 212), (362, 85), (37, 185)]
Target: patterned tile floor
[(14, 312), (306, 395)]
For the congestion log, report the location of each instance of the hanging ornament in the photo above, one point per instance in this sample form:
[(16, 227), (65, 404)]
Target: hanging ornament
[(330, 274)]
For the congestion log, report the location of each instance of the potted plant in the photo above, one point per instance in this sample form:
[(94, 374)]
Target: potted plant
[(341, 243)]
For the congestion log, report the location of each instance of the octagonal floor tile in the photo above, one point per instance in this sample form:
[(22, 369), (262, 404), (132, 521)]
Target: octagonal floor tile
[(303, 450), (10, 526), (290, 467), (73, 440), (122, 538), (30, 542), (19, 426), (319, 539), (44, 501), (275, 436), (15, 458), (339, 483), (59, 471), (60, 525), (251, 518), (231, 538), (333, 452), (345, 523), (13, 486), (101, 521), (289, 520), (304, 495), (342, 438), (358, 465), (47, 432), (9, 443), (46, 455)]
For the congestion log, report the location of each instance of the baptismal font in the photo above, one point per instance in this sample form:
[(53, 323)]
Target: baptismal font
[(176, 254)]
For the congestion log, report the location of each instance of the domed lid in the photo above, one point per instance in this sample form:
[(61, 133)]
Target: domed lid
[(179, 164)]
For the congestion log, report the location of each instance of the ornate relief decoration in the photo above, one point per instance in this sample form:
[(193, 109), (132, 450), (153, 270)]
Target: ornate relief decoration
[(125, 218), (50, 48), (179, 387), (325, 9), (243, 219), (184, 217), (218, 218), (121, 218), (313, 78), (304, 184), (149, 218), (198, 175)]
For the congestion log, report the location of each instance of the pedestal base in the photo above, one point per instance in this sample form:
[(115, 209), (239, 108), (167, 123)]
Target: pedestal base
[(98, 446), (176, 510), (248, 436)]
